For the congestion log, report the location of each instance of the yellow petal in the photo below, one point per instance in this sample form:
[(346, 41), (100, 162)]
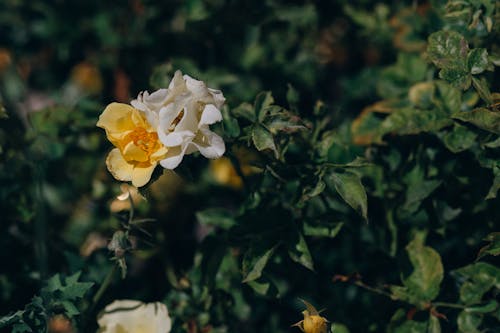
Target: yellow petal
[(118, 167), (142, 175), (314, 324), (133, 153), (159, 154), (117, 118)]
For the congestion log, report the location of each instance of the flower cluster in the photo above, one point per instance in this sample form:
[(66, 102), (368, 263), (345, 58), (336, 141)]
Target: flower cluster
[(162, 127)]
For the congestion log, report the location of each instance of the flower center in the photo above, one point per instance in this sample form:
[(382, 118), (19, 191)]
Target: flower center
[(143, 139)]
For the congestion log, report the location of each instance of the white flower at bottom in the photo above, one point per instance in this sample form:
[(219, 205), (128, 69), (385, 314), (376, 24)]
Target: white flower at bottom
[(128, 316)]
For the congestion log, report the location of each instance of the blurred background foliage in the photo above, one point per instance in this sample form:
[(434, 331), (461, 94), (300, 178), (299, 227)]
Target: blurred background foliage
[(376, 140)]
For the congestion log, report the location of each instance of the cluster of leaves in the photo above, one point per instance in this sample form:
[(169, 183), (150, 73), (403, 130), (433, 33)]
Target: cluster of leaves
[(57, 297)]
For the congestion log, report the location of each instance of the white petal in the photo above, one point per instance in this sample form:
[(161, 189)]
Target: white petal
[(157, 97), (174, 157), (138, 104), (209, 144), (218, 97), (134, 316), (210, 115), (177, 80), (189, 121), (177, 138)]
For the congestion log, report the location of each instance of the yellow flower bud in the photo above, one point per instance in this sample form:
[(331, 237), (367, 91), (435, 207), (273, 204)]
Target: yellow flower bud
[(312, 322)]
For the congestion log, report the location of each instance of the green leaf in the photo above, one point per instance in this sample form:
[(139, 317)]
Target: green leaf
[(413, 121), (54, 283), (323, 230), (70, 309), (262, 103), (477, 279), (493, 248), (299, 251), (447, 98), (492, 193), (245, 111), (257, 265), (423, 284), (231, 126), (411, 326), (21, 328), (490, 306), (313, 191), (434, 326), (217, 217), (477, 61), (482, 118), (350, 188), (265, 287), (263, 139), (448, 49), (428, 270), (481, 86), (11, 319), (457, 77), (469, 322), (460, 138), (421, 94), (418, 188)]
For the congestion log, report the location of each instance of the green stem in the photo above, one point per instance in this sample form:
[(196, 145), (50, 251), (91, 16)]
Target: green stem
[(40, 245), (104, 286), (394, 233), (448, 305), (372, 289)]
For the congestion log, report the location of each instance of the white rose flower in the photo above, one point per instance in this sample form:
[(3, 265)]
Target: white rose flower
[(182, 114), (128, 316)]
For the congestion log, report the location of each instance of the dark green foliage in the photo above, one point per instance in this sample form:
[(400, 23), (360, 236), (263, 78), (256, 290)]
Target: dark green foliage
[(361, 172)]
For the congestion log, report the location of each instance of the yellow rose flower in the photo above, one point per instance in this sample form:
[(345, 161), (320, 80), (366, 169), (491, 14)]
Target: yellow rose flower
[(312, 322), (138, 149)]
